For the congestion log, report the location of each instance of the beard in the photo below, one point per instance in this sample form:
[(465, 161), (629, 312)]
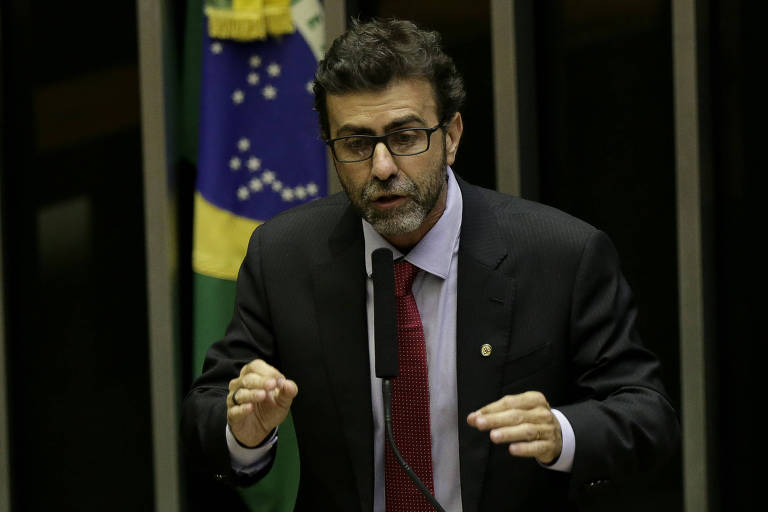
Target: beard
[(421, 196)]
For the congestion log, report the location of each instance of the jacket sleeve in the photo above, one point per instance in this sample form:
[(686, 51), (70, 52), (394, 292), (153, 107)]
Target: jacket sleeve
[(623, 422), (248, 337)]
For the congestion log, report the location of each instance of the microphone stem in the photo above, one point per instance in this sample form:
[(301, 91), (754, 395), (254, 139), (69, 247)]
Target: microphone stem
[(386, 391)]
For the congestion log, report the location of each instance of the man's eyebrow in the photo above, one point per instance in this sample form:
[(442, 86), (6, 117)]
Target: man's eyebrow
[(399, 123), (353, 129)]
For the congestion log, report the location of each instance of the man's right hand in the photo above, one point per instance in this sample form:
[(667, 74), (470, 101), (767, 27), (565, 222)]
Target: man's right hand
[(264, 396)]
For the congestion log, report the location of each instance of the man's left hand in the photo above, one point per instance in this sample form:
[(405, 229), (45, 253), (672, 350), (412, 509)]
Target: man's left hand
[(526, 422)]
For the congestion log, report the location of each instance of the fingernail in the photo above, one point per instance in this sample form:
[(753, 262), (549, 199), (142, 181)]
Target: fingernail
[(481, 422), (280, 382), (495, 435)]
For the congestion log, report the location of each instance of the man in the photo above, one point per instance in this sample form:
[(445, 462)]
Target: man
[(524, 379)]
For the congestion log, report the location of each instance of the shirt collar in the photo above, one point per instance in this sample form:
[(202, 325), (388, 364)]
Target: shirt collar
[(435, 251)]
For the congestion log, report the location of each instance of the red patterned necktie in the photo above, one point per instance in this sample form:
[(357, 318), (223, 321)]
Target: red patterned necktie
[(410, 403)]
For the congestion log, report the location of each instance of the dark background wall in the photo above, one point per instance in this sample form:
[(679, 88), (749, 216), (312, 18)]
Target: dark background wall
[(74, 277), (735, 32)]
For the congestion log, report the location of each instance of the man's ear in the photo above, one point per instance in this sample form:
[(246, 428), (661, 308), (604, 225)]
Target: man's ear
[(453, 131)]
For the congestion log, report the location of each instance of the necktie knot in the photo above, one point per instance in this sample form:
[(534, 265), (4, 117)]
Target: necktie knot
[(405, 272)]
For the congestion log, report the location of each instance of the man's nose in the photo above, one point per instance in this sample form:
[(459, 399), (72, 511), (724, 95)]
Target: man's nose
[(383, 165)]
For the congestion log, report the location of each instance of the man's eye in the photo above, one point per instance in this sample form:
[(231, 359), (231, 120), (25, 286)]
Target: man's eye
[(404, 138), (356, 144)]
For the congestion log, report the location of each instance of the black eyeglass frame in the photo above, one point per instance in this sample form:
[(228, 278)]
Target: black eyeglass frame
[(383, 139)]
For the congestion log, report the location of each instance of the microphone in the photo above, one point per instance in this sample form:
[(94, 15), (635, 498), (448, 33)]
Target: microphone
[(385, 332), (384, 313)]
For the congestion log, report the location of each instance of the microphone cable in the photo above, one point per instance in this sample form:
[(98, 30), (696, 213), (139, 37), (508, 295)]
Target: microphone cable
[(386, 391), (385, 336)]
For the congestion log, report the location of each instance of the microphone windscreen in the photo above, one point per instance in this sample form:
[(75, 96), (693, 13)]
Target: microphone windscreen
[(384, 313)]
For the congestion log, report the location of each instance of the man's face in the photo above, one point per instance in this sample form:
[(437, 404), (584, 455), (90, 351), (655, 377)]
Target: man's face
[(397, 195)]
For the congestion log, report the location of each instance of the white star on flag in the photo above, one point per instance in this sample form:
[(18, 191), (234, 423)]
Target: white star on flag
[(253, 78), (277, 186), (287, 194), (273, 70), (234, 163), (238, 96), (254, 163), (243, 144), (312, 189), (255, 185), (242, 193), (301, 192), (269, 92), (216, 48), (255, 61), (268, 177)]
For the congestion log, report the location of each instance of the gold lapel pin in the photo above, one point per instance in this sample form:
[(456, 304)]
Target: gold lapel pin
[(485, 350)]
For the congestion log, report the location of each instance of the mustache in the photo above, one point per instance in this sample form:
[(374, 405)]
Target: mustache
[(399, 186)]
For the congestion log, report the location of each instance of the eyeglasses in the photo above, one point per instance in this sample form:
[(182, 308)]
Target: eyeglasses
[(405, 142)]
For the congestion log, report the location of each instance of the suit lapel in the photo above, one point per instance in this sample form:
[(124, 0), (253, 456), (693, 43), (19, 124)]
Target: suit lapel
[(484, 304), (340, 301)]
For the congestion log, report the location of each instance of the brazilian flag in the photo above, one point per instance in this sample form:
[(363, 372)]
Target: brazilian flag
[(258, 153)]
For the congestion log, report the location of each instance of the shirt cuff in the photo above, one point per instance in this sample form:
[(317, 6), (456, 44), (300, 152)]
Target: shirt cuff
[(564, 463), (248, 461)]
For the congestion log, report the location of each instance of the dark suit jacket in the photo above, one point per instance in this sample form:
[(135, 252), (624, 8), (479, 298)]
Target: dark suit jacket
[(542, 288)]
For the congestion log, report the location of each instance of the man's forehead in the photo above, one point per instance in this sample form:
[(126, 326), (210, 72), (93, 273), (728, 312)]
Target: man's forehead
[(410, 98)]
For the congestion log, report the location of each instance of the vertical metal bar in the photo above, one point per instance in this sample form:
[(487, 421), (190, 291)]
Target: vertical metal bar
[(335, 19), (514, 97), (5, 460), (5, 470), (505, 94), (691, 256), (335, 25), (159, 252)]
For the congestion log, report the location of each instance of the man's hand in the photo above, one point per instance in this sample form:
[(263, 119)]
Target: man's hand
[(264, 397), (525, 422)]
